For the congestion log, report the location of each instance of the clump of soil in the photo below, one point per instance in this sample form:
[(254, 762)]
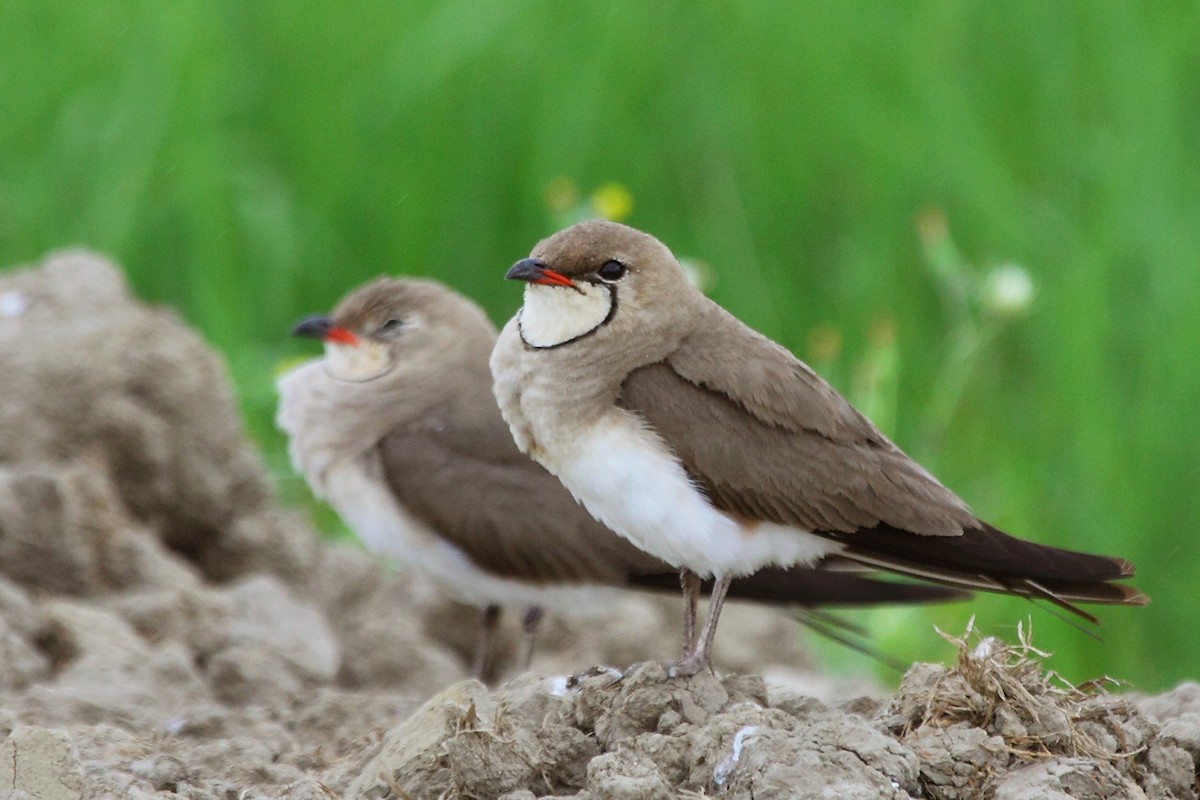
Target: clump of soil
[(995, 725), (167, 630)]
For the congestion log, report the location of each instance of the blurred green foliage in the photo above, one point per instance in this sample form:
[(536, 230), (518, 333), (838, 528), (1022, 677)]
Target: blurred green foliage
[(249, 162)]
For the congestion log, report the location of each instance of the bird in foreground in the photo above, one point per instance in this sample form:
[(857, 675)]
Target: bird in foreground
[(397, 428), (715, 449)]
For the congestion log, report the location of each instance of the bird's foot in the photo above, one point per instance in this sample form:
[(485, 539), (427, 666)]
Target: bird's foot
[(691, 664)]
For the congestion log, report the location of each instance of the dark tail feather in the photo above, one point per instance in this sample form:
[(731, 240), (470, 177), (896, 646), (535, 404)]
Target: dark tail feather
[(811, 588), (847, 634), (990, 560), (1055, 610)]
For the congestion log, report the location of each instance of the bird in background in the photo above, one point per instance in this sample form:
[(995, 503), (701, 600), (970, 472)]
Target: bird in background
[(397, 428), (715, 449)]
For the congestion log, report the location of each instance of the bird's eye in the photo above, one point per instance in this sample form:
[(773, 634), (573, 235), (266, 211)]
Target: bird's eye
[(612, 271), (391, 326)]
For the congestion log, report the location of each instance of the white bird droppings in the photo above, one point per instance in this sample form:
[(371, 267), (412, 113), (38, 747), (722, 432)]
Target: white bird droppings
[(724, 769)]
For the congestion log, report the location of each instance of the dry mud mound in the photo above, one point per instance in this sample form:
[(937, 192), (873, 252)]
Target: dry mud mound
[(167, 630), (993, 726)]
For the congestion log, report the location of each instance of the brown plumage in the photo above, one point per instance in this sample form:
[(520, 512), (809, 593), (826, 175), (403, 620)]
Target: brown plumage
[(400, 411), (614, 344), (853, 485)]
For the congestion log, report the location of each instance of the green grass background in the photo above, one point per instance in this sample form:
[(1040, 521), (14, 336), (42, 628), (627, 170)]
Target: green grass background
[(248, 162)]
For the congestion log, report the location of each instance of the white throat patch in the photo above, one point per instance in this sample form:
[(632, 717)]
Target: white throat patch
[(360, 362), (552, 315)]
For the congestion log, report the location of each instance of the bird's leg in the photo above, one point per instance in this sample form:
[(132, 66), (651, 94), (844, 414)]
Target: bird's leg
[(690, 582), (529, 632), (483, 667), (716, 602), (698, 658)]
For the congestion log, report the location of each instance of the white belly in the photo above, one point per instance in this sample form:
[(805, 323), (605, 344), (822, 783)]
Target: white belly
[(388, 530), (628, 479)]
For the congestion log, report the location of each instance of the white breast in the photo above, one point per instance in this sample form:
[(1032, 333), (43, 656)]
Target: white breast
[(627, 478)]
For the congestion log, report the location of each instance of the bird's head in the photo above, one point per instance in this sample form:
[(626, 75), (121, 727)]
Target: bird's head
[(598, 279), (390, 322)]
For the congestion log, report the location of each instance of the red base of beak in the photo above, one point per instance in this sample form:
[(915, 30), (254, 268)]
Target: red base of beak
[(341, 336)]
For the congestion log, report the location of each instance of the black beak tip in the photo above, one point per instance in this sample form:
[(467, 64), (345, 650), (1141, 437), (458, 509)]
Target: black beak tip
[(527, 269), (314, 327)]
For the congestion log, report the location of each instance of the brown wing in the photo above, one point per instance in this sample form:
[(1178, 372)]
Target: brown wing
[(510, 516), (767, 439)]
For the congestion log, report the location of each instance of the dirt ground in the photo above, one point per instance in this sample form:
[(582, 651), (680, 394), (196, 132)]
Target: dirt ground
[(168, 630)]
